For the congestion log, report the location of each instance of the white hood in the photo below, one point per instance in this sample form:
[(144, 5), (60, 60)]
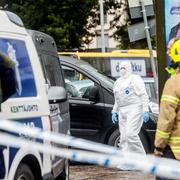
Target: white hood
[(125, 69)]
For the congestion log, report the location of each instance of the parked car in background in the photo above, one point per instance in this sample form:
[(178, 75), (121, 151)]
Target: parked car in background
[(91, 100)]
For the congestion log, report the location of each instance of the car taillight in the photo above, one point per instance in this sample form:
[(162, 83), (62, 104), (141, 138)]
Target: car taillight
[(149, 74)]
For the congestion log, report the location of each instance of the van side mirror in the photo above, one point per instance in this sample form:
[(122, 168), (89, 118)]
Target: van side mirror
[(94, 93), (57, 94)]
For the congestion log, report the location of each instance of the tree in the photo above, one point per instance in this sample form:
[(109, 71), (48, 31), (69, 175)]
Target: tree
[(65, 20), (68, 21), (119, 9), (121, 20)]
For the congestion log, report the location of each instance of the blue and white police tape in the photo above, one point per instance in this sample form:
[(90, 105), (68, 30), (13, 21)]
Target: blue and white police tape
[(55, 137), (160, 166), (128, 160)]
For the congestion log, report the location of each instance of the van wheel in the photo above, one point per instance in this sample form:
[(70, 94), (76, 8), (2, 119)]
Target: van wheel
[(65, 174), (24, 173), (114, 138)]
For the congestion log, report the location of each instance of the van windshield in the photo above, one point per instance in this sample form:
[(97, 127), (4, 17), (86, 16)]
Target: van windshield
[(103, 78)]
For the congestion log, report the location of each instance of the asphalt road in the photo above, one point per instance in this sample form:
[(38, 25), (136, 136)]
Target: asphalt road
[(91, 172)]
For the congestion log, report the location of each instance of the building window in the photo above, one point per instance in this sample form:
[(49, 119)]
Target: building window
[(106, 41)]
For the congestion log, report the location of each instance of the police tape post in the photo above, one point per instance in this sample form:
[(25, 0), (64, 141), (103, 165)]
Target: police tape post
[(109, 157)]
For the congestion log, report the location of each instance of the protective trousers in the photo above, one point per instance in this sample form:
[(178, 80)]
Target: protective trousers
[(130, 122)]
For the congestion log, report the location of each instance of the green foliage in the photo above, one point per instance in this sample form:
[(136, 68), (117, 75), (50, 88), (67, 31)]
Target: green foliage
[(121, 33), (65, 20), (69, 20)]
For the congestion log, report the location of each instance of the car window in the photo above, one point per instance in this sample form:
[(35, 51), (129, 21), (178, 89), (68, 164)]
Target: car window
[(71, 74), (98, 75), (76, 83), (52, 70), (151, 91)]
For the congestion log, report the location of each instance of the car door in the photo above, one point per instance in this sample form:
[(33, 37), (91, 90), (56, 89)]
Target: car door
[(86, 116), (59, 112)]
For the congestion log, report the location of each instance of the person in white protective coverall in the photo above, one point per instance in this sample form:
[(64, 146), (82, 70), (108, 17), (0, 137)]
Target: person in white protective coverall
[(130, 108)]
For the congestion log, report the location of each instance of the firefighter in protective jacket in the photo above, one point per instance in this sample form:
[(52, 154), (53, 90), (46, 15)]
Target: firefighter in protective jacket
[(167, 140)]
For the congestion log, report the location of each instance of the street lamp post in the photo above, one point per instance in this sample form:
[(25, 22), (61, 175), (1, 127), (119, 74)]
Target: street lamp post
[(153, 65), (102, 25)]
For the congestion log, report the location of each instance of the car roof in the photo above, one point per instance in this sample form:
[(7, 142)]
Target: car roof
[(71, 60), (77, 62), (43, 42)]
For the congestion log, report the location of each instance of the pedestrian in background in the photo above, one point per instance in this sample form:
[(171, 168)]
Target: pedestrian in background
[(167, 140), (130, 108)]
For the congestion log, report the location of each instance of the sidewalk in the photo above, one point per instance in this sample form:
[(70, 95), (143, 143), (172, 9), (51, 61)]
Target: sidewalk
[(90, 172)]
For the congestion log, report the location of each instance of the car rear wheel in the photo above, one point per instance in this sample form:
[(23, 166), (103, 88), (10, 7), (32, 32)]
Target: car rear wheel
[(24, 173), (114, 138)]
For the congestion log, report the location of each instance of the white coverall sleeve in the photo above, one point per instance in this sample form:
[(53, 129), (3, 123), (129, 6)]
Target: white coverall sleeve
[(140, 90), (115, 107)]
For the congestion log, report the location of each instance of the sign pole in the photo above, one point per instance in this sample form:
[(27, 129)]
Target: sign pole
[(102, 25), (153, 65)]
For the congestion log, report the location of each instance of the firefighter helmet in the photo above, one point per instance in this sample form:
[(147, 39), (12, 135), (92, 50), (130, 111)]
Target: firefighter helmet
[(174, 51)]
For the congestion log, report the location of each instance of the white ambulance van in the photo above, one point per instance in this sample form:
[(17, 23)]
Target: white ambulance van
[(26, 97)]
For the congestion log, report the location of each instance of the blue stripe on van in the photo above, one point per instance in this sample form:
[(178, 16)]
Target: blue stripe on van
[(36, 122)]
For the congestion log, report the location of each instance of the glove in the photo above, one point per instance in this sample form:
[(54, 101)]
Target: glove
[(158, 152), (145, 116), (114, 117)]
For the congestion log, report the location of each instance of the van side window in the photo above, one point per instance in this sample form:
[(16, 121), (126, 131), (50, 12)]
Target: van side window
[(76, 83), (17, 79), (51, 68)]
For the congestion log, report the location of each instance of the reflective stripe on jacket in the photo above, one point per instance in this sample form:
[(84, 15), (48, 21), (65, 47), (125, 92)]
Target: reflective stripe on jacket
[(168, 126)]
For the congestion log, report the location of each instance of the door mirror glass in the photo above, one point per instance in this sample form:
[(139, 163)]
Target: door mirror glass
[(57, 94)]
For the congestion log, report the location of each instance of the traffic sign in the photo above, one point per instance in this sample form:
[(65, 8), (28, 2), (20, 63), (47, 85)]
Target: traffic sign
[(135, 8), (137, 31), (138, 66), (135, 12), (136, 3)]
